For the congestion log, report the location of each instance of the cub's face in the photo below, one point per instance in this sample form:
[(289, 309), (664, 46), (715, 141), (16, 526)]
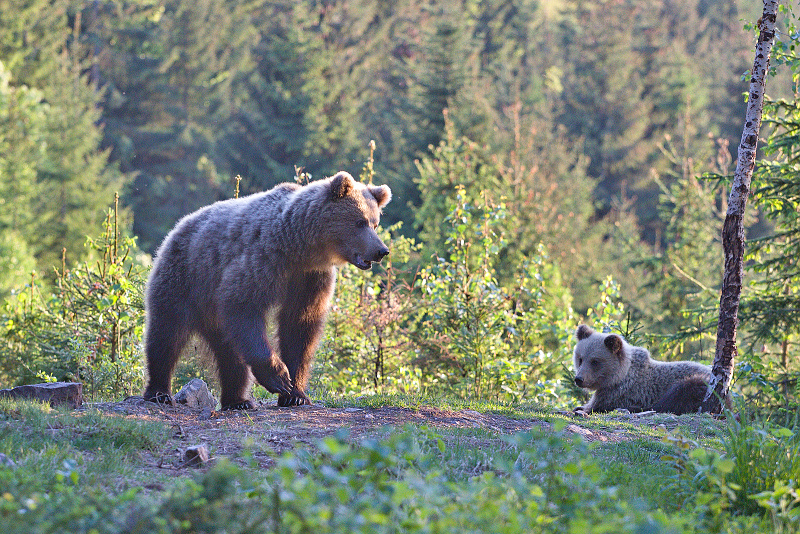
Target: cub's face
[(355, 215), (599, 360)]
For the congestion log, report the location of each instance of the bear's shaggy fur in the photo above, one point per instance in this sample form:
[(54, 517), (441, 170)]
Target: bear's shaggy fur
[(624, 376), (223, 268)]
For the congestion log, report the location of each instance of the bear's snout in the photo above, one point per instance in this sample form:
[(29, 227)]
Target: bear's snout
[(380, 254), (364, 262), (579, 381)]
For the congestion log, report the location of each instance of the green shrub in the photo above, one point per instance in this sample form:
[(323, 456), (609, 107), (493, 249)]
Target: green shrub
[(756, 473), (87, 327), (374, 486), (451, 327)]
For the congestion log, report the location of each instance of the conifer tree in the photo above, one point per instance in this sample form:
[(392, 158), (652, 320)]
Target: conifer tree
[(22, 123), (267, 136), (169, 99), (772, 307), (57, 167)]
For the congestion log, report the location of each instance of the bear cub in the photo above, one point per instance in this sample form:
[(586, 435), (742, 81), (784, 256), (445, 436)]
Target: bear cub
[(227, 267), (624, 376)]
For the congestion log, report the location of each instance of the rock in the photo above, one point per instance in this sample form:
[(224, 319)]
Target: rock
[(56, 393), (195, 394), (196, 456), (5, 461)]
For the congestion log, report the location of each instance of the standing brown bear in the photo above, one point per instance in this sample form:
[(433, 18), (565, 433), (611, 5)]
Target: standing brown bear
[(225, 268)]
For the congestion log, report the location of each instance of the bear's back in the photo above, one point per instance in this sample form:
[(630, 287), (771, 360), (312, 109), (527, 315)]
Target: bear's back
[(237, 233), (649, 380)]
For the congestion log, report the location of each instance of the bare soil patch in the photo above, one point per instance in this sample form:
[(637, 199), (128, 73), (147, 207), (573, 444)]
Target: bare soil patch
[(268, 430)]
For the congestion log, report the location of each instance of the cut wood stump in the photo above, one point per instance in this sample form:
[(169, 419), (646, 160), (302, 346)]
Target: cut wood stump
[(56, 393)]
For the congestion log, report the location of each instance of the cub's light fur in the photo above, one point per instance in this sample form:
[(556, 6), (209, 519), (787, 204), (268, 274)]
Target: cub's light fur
[(224, 267), (624, 376)]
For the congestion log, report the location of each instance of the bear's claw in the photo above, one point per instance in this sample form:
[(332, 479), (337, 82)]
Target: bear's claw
[(296, 398), (278, 384), (243, 405), (159, 397)]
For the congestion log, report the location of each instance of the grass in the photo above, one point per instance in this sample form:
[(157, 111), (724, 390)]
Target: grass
[(44, 442), (85, 470)]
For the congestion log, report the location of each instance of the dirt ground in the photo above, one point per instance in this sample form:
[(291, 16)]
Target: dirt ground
[(269, 430)]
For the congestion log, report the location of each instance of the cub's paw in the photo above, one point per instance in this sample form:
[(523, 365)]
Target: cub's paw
[(580, 411), (159, 397), (297, 398), (241, 405)]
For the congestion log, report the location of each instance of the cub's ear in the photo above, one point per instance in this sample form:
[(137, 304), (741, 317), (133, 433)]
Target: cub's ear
[(583, 332), (382, 194), (342, 184), (614, 344)]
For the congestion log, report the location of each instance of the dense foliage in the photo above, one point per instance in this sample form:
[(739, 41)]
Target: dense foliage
[(181, 96), (87, 328), (538, 150), (551, 164), (80, 472)]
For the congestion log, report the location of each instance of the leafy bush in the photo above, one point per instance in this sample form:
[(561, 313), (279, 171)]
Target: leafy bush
[(366, 338), (552, 486), (477, 336), (757, 472), (452, 326), (87, 327)]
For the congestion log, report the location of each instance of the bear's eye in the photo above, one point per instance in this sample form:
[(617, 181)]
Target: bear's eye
[(595, 363), (361, 224), (580, 362)]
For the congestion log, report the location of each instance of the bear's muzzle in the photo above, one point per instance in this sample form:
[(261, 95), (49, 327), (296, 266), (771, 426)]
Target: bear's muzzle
[(366, 262)]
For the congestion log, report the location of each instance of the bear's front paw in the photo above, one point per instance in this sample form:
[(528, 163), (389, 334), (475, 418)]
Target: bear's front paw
[(581, 410), (297, 398), (243, 405), (280, 384)]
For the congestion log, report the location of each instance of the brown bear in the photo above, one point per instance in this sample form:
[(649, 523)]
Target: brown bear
[(624, 376), (226, 267)]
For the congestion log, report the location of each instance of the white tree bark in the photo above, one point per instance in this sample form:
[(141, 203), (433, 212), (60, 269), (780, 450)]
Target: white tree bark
[(733, 239)]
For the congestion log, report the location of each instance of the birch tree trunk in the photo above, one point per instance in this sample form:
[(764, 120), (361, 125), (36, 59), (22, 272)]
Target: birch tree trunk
[(733, 242)]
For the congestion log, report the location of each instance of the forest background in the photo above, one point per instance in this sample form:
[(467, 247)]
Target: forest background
[(552, 161)]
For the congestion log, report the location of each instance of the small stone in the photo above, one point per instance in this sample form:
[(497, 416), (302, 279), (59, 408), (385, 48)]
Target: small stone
[(5, 461), (196, 456), (195, 394)]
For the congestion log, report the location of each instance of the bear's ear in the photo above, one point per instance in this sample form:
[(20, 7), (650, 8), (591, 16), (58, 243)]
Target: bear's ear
[(583, 332), (382, 194), (614, 344), (342, 184)]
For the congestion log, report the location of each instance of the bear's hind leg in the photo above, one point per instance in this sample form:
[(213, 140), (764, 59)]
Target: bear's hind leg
[(165, 336), (234, 376), (300, 325), (685, 396)]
